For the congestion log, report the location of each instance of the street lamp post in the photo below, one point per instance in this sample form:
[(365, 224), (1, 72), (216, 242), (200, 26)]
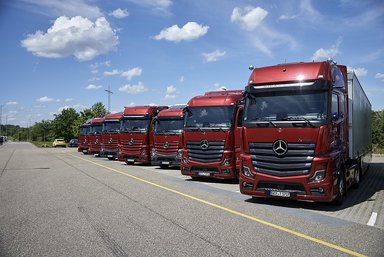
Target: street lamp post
[(109, 92)]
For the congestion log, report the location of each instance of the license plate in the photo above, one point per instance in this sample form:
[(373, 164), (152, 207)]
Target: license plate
[(205, 174), (165, 163), (279, 193), (109, 156), (130, 160), (84, 151)]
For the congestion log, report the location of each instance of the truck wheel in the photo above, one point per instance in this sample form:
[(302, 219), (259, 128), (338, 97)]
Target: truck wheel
[(129, 163), (358, 175), (341, 189)]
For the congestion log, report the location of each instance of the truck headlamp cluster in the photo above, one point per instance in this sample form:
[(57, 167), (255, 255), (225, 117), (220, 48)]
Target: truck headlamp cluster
[(226, 162), (247, 172), (318, 176)]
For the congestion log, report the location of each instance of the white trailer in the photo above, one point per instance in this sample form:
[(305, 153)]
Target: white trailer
[(359, 123)]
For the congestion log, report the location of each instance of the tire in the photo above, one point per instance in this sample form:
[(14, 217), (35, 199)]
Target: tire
[(129, 163), (341, 188), (358, 177)]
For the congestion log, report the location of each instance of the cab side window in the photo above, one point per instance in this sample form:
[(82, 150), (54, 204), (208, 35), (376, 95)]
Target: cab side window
[(335, 107)]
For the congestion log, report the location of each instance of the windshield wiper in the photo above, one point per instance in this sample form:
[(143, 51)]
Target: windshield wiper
[(267, 121), (300, 118)]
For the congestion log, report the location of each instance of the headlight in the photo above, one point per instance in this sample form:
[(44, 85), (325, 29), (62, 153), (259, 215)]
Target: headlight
[(144, 152), (318, 176), (247, 172), (226, 162), (153, 153), (179, 153)]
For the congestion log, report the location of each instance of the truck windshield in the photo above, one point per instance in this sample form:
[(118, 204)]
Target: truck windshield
[(134, 125), (84, 131), (283, 106), (169, 126), (209, 117), (111, 126), (96, 129)]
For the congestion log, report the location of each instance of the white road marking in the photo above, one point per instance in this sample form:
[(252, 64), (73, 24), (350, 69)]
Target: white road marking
[(372, 219)]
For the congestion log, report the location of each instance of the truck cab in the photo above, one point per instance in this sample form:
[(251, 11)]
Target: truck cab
[(94, 137), (296, 133), (84, 137), (110, 135), (136, 133), (167, 146), (211, 136)]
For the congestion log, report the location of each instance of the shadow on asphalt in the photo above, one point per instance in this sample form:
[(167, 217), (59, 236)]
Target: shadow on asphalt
[(372, 182)]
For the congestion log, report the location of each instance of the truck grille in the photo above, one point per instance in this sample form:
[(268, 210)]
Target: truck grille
[(213, 153), (134, 148), (296, 161), (171, 148)]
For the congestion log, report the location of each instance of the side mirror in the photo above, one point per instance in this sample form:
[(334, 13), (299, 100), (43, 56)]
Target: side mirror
[(335, 116)]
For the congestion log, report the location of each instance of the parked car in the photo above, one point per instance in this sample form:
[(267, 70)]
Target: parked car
[(59, 142), (73, 142)]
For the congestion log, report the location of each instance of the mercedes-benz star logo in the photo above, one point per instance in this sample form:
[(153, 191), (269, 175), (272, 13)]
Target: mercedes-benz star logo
[(130, 141), (204, 144), (280, 147), (166, 145)]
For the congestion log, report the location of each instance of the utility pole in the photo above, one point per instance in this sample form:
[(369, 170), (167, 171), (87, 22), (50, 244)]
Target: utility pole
[(109, 92)]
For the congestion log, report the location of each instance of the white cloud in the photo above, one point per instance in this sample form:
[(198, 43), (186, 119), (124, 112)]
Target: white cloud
[(213, 56), (189, 31), (76, 36), (182, 79), (380, 76), (170, 93), (45, 99), (249, 17), (69, 100), (322, 54), (133, 89), (71, 8), (287, 17), (156, 4), (358, 71), (129, 74), (112, 73), (92, 87), (119, 13), (12, 103)]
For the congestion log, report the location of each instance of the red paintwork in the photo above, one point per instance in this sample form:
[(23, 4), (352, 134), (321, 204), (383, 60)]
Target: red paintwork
[(230, 138), (110, 141), (173, 142), (84, 139), (324, 137), (140, 148), (286, 73), (95, 139)]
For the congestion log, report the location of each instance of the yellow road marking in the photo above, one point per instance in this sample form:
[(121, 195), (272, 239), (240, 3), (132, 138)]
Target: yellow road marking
[(269, 224)]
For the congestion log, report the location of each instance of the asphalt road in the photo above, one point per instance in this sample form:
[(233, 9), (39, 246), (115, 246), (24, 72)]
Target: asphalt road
[(58, 202)]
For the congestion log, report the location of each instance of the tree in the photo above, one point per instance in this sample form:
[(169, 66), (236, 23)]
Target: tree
[(62, 124), (98, 110), (378, 129)]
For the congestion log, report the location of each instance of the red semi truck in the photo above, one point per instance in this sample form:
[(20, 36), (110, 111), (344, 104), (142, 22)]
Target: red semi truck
[(136, 133), (211, 136), (110, 135), (167, 147), (306, 132), (83, 137), (94, 138)]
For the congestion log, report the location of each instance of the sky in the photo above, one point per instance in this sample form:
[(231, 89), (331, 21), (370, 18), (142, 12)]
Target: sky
[(58, 54)]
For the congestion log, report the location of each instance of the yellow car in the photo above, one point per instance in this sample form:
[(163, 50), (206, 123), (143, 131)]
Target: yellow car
[(59, 142)]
